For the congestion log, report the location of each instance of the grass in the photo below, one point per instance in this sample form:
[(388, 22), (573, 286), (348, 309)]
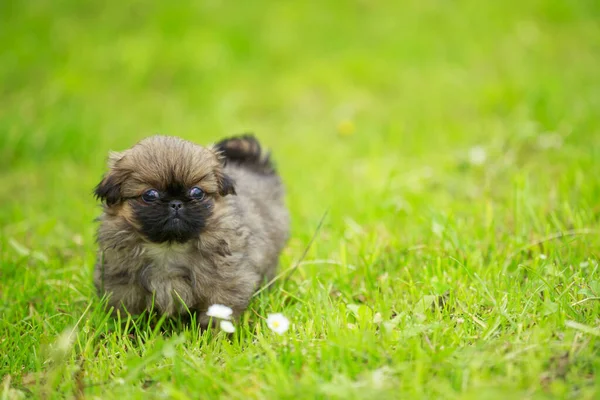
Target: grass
[(435, 275)]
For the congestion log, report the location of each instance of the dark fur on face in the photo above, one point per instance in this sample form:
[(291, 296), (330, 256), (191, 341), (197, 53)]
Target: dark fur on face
[(160, 223), (186, 226)]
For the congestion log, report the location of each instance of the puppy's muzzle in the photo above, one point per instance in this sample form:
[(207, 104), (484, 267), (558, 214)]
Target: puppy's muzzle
[(175, 206)]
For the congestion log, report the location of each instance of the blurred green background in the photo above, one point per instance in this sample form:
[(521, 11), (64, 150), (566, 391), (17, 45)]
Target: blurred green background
[(414, 82), (469, 128)]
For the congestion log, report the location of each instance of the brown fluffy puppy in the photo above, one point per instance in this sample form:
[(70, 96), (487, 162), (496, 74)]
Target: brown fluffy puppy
[(186, 226)]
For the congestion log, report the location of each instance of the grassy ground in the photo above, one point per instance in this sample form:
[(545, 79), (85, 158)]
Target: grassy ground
[(456, 144)]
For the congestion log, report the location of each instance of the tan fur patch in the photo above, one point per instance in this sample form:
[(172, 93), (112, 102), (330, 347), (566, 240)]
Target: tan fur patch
[(126, 212), (164, 160)]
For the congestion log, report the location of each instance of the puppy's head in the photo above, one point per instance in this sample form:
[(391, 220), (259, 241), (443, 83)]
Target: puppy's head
[(165, 188)]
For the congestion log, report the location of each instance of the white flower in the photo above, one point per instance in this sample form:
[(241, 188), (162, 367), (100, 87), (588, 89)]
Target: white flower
[(227, 326), (543, 256), (377, 318), (278, 323), (477, 155), (219, 311), (550, 141)]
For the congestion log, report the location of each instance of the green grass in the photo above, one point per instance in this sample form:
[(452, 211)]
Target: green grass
[(371, 110)]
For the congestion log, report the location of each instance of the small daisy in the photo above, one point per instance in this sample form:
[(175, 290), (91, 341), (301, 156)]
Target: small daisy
[(227, 326), (219, 311), (477, 155), (278, 323), (543, 256)]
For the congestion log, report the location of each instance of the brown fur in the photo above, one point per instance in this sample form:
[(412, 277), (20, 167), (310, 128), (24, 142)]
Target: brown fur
[(225, 264)]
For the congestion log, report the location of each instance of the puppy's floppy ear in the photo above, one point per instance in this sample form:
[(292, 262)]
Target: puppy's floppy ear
[(109, 189), (226, 183)]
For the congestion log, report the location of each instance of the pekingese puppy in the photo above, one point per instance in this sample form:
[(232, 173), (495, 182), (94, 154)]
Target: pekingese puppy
[(186, 226)]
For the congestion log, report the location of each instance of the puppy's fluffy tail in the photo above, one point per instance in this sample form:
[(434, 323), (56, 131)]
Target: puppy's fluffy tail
[(245, 150)]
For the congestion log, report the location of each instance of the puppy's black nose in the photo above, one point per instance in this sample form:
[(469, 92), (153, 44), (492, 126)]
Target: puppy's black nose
[(175, 205)]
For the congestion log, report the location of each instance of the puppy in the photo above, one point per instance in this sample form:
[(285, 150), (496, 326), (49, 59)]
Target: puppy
[(185, 226)]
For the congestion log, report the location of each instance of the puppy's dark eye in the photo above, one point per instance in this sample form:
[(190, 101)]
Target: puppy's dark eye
[(196, 193), (150, 195)]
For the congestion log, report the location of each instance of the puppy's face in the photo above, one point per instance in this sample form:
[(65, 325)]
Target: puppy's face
[(164, 188)]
